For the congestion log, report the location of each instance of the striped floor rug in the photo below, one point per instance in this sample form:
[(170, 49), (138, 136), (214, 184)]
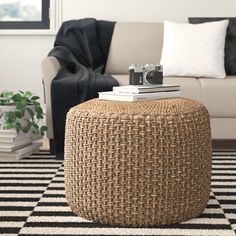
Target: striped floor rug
[(32, 202)]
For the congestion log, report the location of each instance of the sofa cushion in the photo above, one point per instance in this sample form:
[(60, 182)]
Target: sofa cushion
[(195, 50), (230, 43), (122, 79), (190, 87), (131, 43), (223, 128), (219, 96)]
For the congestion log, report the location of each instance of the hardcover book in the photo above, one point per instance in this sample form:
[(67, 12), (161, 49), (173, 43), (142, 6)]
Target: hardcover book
[(129, 97), (136, 89), (20, 153), (9, 146)]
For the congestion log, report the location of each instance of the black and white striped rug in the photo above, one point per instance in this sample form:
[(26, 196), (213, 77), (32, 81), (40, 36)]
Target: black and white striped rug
[(32, 202)]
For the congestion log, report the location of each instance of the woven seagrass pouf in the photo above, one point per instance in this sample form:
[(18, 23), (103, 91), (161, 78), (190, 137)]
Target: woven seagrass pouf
[(138, 163)]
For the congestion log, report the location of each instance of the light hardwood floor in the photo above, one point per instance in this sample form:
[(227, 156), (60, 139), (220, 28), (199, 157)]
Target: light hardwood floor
[(45, 145)]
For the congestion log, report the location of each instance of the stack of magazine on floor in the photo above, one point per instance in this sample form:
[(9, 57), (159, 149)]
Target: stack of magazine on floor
[(14, 146), (133, 93)]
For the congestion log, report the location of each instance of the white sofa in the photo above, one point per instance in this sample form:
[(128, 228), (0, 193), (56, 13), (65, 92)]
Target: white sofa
[(142, 43)]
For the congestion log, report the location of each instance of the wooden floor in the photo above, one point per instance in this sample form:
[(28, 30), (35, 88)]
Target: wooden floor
[(45, 145)]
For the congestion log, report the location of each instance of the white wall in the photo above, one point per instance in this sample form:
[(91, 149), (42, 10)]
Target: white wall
[(148, 10), (20, 56)]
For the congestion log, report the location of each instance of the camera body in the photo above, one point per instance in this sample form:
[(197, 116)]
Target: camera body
[(145, 74)]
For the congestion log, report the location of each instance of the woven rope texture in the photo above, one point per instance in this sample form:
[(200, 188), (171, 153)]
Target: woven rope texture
[(138, 164)]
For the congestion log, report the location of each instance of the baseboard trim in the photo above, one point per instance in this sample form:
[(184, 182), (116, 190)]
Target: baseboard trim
[(224, 145)]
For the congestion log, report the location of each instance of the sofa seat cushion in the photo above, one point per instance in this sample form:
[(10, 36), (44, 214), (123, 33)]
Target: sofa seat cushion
[(219, 96), (190, 87)]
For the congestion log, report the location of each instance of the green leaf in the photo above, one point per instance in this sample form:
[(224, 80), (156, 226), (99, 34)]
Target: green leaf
[(19, 114), (39, 116), (16, 97), (3, 102), (43, 129), (36, 104), (35, 98), (35, 125), (18, 127), (39, 110), (27, 94), (8, 126), (7, 94), (10, 115), (31, 113), (24, 100), (20, 106), (6, 97)]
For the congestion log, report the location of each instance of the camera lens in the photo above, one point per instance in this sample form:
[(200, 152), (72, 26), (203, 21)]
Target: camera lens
[(154, 77)]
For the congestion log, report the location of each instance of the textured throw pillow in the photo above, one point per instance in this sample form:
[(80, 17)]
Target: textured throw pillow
[(195, 50), (230, 43)]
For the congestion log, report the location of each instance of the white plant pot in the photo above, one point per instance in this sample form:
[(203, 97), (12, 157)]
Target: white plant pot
[(13, 108)]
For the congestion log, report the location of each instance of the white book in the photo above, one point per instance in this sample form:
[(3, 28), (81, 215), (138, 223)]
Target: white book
[(137, 97), (136, 89), (12, 135), (9, 132), (20, 153), (9, 146), (8, 139)]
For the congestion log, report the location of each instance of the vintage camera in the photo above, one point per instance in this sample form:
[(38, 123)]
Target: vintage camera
[(145, 74)]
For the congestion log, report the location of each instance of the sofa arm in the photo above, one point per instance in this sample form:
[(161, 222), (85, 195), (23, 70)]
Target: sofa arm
[(50, 67)]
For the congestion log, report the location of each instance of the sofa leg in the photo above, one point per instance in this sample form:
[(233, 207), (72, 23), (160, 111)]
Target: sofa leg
[(51, 145)]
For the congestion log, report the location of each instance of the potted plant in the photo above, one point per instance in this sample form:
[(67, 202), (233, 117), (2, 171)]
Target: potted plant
[(21, 111)]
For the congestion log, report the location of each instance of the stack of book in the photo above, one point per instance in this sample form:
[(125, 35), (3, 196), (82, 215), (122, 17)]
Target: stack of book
[(14, 146), (133, 93)]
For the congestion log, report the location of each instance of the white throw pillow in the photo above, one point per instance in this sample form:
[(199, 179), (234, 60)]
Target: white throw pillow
[(194, 49)]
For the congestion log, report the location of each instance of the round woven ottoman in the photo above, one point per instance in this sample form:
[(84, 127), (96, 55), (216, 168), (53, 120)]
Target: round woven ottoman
[(138, 163)]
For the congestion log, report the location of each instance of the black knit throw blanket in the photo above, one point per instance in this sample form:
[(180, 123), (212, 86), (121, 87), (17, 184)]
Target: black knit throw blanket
[(81, 47)]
